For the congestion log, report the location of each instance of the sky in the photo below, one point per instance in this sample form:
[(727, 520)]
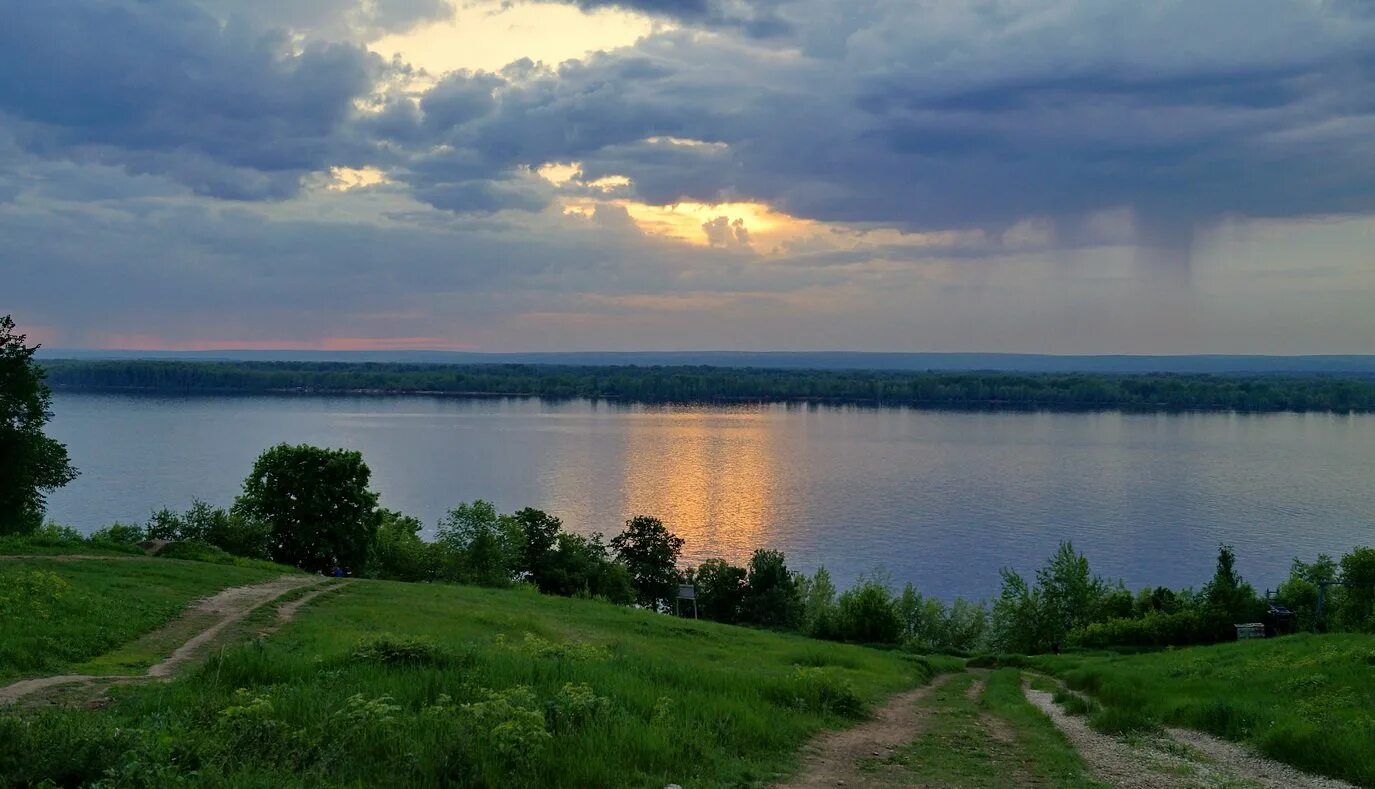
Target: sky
[(1047, 176)]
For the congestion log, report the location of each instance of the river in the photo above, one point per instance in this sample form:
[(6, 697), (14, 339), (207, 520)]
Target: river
[(939, 498)]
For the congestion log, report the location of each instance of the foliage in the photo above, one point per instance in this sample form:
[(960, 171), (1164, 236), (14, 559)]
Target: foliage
[(398, 552), (650, 700), (697, 384), (127, 534), (1155, 629), (56, 614), (1299, 592), (650, 552), (720, 589), (581, 566), (1302, 699), (867, 613), (539, 533), (1356, 608), (771, 596), (819, 614), (317, 504), (478, 545), (1019, 620), (31, 463), (1228, 594), (929, 625), (392, 650), (1071, 594), (232, 531)]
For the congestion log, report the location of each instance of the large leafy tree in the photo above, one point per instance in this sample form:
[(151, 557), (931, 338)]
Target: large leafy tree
[(31, 463), (650, 551), (316, 502)]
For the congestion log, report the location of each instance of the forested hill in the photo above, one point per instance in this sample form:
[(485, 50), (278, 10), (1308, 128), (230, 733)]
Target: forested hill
[(724, 384)]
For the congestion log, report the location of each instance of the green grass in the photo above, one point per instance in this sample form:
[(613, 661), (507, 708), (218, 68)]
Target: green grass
[(1306, 700), (995, 739), (56, 614), (411, 684), (41, 545)]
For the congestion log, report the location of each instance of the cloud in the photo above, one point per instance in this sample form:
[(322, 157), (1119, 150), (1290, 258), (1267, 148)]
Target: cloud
[(331, 19), (162, 87), (904, 151)]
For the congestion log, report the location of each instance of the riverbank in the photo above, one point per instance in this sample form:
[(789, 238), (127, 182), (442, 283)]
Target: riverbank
[(943, 390)]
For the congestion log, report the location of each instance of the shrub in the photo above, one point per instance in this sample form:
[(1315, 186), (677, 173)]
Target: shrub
[(575, 705), (771, 596), (867, 613), (120, 534), (478, 545), (820, 691), (392, 650), (1184, 628), (720, 589)]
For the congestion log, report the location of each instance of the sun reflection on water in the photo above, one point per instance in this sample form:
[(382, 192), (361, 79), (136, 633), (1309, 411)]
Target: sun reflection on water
[(711, 477)]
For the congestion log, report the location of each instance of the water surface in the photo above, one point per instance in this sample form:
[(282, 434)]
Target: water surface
[(941, 498)]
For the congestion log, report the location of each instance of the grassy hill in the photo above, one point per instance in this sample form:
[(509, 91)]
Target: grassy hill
[(1306, 700), (384, 683), (391, 683), (54, 614)]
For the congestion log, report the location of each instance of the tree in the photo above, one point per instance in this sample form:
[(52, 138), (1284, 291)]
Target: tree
[(772, 597), (317, 504), (818, 605), (1356, 609), (580, 566), (1071, 593), (868, 613), (539, 533), (650, 551), (1019, 619), (479, 545), (398, 553), (31, 463), (720, 589), (1227, 594)]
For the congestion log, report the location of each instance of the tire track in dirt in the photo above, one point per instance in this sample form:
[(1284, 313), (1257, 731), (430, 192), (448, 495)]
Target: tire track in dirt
[(1173, 758), (229, 605), (833, 758)]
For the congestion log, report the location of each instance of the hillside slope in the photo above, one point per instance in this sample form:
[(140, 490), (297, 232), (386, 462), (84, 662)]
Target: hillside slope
[(476, 687)]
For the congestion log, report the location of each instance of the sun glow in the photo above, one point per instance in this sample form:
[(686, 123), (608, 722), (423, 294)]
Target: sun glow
[(488, 34), (343, 179)]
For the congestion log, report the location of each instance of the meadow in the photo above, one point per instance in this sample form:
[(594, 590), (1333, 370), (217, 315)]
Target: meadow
[(55, 614), (1306, 700), (428, 684)]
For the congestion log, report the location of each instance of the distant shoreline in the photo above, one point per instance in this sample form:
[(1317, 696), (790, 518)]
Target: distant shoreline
[(976, 391)]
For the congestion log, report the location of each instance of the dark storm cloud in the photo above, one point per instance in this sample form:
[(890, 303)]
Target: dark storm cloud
[(160, 86), (934, 115), (335, 19), (918, 114), (756, 18)]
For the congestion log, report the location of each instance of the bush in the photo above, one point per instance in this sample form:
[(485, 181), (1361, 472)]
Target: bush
[(820, 691), (771, 596), (478, 545), (398, 553), (392, 650), (720, 589), (1185, 628), (868, 614), (120, 534)]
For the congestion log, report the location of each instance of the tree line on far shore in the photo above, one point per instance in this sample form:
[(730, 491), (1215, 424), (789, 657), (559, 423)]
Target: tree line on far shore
[(655, 384)]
